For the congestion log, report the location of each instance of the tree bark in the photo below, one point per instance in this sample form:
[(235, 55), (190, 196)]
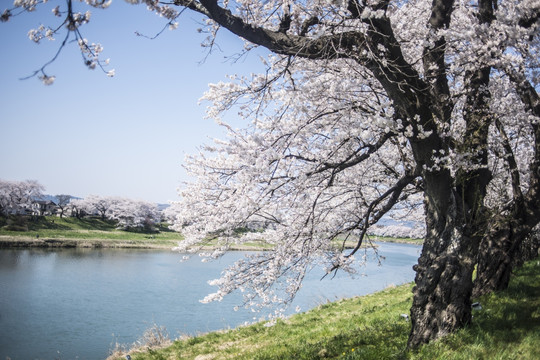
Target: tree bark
[(508, 245), (494, 260), (441, 302)]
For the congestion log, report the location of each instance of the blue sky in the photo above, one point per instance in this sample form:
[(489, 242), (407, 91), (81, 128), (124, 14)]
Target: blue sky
[(121, 136)]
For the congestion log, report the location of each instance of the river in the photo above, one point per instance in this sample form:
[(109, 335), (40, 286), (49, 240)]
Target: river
[(77, 303)]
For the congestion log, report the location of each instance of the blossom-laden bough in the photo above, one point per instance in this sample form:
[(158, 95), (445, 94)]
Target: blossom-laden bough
[(370, 108), (309, 169)]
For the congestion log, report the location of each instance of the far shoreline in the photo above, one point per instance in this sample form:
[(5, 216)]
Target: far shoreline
[(23, 242)]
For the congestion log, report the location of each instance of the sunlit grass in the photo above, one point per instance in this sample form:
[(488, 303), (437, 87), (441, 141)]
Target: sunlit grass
[(508, 326), (371, 327), (351, 241), (89, 232), (96, 232)]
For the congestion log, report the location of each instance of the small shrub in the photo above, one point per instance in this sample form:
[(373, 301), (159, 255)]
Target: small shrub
[(155, 337)]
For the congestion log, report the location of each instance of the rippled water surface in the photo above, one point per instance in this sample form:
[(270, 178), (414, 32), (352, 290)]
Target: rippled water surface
[(76, 303)]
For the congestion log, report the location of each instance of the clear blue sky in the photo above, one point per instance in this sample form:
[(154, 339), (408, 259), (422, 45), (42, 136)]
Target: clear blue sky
[(121, 136)]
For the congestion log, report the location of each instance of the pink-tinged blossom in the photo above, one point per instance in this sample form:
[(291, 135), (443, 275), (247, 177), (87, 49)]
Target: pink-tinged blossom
[(28, 5), (47, 80)]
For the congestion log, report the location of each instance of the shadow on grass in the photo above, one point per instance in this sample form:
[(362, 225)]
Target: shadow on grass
[(31, 223), (514, 311), (92, 223), (66, 223), (505, 327)]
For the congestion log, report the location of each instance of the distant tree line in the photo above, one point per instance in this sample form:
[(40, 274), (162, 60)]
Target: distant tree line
[(19, 198), (128, 213)]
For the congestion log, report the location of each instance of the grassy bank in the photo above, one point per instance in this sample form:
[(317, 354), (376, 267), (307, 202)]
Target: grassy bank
[(88, 232), (372, 327), (53, 231)]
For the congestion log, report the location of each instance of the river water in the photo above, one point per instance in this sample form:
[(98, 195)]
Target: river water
[(76, 303)]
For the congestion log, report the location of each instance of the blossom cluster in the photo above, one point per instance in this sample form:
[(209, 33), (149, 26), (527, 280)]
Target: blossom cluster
[(28, 5), (36, 35), (75, 20), (90, 53)]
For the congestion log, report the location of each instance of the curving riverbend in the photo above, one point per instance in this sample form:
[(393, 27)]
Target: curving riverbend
[(76, 303)]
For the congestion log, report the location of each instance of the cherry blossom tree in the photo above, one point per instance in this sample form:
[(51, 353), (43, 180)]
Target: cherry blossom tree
[(102, 205), (368, 108), (17, 197), (134, 213), (79, 208), (62, 203)]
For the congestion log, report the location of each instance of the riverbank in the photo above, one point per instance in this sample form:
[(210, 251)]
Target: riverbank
[(129, 242), (149, 242), (372, 327), (153, 242), (54, 232), (27, 242)]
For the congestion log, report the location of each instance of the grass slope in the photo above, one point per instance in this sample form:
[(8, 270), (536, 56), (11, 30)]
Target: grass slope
[(371, 327), (87, 232), (52, 231)]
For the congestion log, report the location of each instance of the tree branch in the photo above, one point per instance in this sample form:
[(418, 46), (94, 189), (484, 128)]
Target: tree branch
[(356, 158), (512, 164), (393, 194), (392, 70), (531, 100), (433, 58), (325, 47)]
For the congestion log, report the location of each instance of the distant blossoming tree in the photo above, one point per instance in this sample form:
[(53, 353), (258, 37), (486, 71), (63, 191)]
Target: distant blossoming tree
[(367, 107), (79, 208), (17, 197), (134, 213), (95, 204), (62, 201), (128, 213)]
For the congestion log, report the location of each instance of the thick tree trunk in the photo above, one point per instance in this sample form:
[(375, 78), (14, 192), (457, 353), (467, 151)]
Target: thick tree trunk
[(507, 246), (495, 260), (442, 294)]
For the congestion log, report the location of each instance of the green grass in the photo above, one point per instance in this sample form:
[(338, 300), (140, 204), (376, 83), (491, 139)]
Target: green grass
[(95, 232), (351, 242), (397, 240), (371, 327), (86, 232)]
